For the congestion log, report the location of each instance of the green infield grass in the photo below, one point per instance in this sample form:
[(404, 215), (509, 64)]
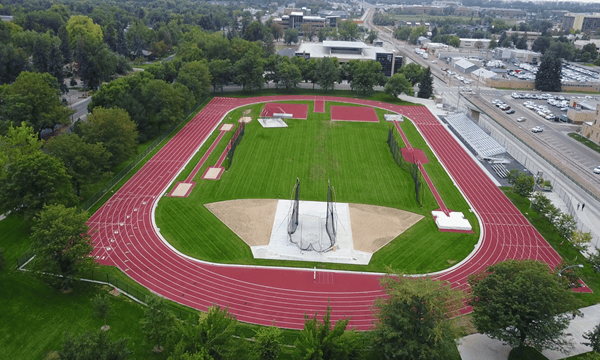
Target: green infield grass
[(353, 155)]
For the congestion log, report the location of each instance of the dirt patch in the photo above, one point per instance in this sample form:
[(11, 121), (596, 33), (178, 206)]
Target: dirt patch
[(250, 219), (373, 227)]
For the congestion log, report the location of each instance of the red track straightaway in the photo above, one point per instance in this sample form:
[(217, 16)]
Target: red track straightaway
[(125, 235)]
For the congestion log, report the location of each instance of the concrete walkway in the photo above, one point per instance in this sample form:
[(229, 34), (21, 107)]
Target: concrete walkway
[(478, 346)]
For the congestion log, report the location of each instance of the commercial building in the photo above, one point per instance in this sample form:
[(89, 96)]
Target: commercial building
[(475, 43), (591, 129), (582, 22), (581, 112), (465, 11), (345, 51), (296, 19), (526, 56), (579, 44), (464, 65), (504, 13)]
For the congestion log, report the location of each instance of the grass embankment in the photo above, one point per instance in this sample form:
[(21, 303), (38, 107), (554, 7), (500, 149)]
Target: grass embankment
[(564, 248), (357, 160), (35, 316), (585, 141)]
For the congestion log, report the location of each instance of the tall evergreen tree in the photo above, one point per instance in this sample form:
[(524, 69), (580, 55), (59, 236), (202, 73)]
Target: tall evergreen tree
[(65, 48), (426, 85), (55, 67), (121, 44), (40, 55), (549, 74)]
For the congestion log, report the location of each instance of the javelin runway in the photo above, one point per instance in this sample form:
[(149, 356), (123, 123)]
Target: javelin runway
[(124, 235)]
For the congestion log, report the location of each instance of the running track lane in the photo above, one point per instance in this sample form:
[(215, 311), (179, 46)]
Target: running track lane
[(124, 235)]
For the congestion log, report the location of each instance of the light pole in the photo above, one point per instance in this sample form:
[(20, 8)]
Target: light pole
[(578, 265)]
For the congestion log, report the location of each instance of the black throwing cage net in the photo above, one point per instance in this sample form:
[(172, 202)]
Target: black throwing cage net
[(412, 169), (233, 143), (330, 217), (293, 224)]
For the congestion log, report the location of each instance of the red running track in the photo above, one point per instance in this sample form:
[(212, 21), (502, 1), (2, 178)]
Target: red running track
[(353, 113), (124, 235), (298, 111), (319, 105)]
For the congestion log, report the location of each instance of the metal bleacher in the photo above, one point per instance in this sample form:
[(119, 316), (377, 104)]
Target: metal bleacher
[(500, 170), (476, 138)]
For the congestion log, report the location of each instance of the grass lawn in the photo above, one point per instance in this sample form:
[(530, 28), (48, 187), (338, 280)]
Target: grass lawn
[(565, 250), (357, 160), (585, 141)]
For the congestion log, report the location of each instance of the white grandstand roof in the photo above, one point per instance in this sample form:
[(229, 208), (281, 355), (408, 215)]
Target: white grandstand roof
[(479, 140)]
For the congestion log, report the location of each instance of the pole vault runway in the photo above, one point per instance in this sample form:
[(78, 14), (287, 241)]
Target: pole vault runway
[(124, 235)]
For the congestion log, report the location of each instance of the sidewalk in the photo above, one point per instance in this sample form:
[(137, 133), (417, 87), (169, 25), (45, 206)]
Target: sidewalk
[(478, 346)]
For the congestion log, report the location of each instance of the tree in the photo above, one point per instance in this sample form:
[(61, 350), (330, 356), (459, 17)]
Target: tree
[(249, 71), (541, 44), (289, 74), (414, 320), (453, 41), (549, 74), (591, 49), (84, 162), (413, 72), (81, 27), (319, 340), (34, 99), (523, 185), (290, 36), (398, 84), (365, 76), (93, 346), (196, 77), (102, 308), (580, 240), (415, 33), (565, 225), (210, 337), (493, 43), (276, 30), (348, 30), (267, 345), (13, 61), (2, 259), (220, 71), (114, 128), (327, 73), (479, 45), (593, 338), (166, 103), (521, 303), (426, 85), (33, 181), (322, 35), (371, 36), (540, 202), (522, 43), (61, 239), (158, 322), (18, 142)]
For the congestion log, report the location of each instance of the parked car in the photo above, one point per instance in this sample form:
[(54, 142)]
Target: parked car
[(597, 170), (537, 129), (511, 111), (521, 119)]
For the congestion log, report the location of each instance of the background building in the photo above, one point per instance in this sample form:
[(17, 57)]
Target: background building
[(583, 22), (345, 51), (591, 129)]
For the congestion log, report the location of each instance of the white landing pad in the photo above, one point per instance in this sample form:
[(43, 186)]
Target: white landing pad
[(272, 123), (311, 227), (455, 221), (393, 117)]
